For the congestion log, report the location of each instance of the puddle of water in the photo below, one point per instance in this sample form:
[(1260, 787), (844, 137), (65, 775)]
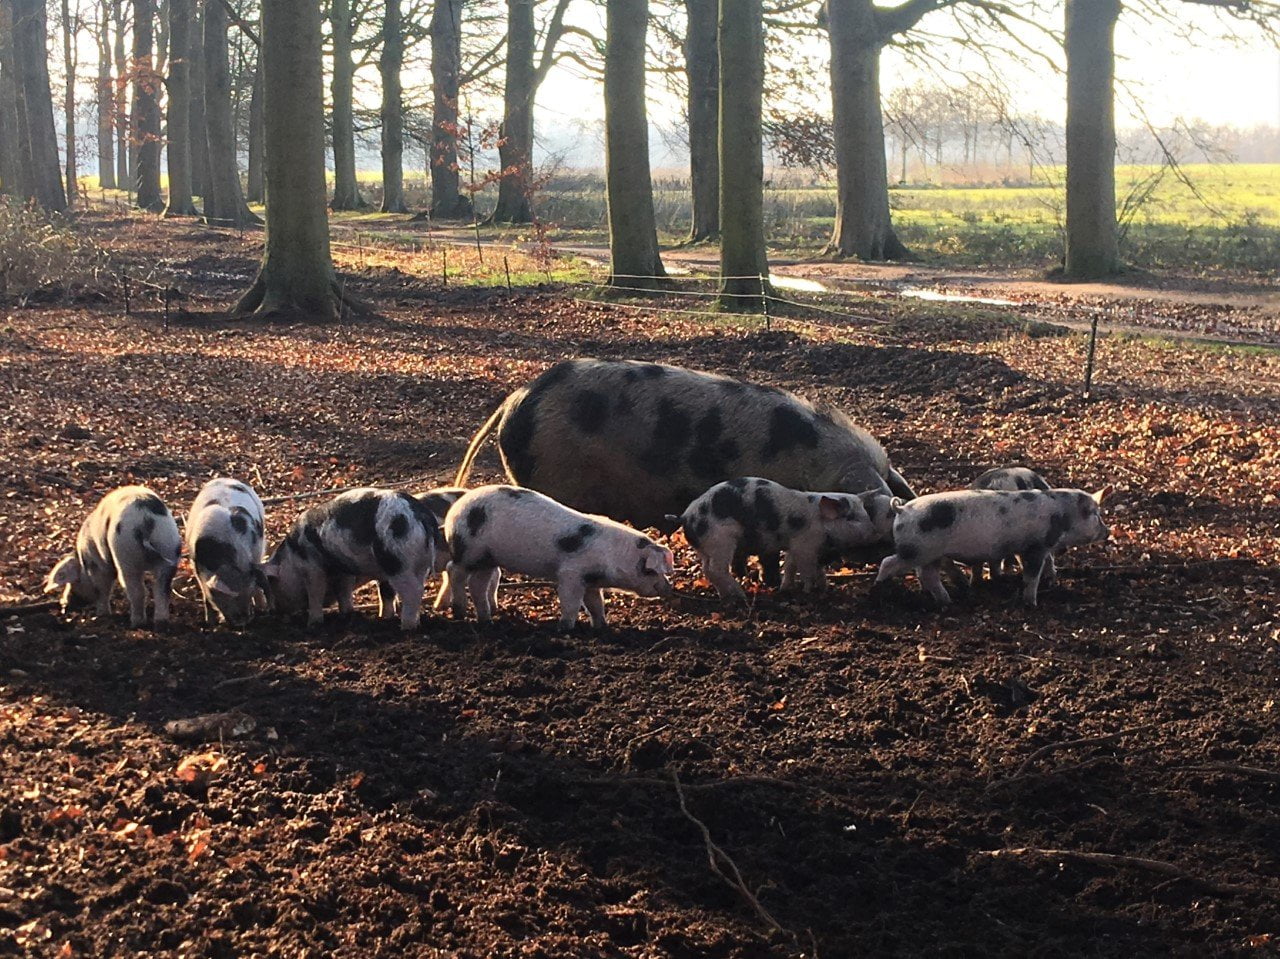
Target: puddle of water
[(936, 297), (797, 283)]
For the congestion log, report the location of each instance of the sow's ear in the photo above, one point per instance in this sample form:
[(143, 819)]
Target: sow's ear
[(1103, 494), (829, 508)]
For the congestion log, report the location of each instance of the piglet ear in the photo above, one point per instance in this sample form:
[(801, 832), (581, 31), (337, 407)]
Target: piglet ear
[(830, 508), (1103, 494), (668, 561), (65, 573)]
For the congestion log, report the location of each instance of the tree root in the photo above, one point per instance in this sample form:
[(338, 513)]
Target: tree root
[(1071, 744), (26, 609), (1111, 859), (1256, 771), (261, 302)]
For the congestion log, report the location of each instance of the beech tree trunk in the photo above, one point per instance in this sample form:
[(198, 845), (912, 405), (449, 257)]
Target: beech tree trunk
[(198, 132), (11, 168), (863, 226), (392, 111), (447, 201), (70, 60), (515, 146), (1093, 246), (297, 278), (224, 203), (744, 265), (179, 114), (346, 190), (702, 70), (633, 231), (145, 122), (105, 101), (256, 189), (124, 151), (35, 121)]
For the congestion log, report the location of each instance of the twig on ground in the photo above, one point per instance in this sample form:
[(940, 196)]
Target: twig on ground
[(1271, 774), (1111, 859), (25, 609), (241, 679), (1072, 744), (716, 856)]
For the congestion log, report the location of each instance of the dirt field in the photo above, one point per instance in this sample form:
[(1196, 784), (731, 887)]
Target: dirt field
[(861, 775)]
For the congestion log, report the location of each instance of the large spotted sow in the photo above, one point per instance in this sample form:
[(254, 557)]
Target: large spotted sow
[(129, 536), (984, 526), (638, 441), (225, 543), (494, 528), (758, 517), (361, 535)]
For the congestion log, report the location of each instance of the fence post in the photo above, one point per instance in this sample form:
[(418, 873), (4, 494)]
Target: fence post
[(1088, 363), (764, 300), (507, 267)]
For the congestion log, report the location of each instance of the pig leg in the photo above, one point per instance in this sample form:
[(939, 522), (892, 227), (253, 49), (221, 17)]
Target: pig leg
[(931, 579), (715, 566), (770, 564), (161, 590), (1049, 575), (386, 600), (446, 590), (346, 596), (105, 584), (482, 584), (1033, 563), (572, 593), (136, 590), (492, 587), (455, 581), (317, 586), (892, 566), (739, 565), (593, 599)]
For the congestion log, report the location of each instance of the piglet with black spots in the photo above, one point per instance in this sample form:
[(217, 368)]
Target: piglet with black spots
[(361, 535), (494, 528), (129, 536), (758, 517), (985, 526), (224, 541), (437, 500), (1014, 478)]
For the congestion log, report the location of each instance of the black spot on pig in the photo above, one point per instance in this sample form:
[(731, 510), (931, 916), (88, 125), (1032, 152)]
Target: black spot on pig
[(797, 522), (909, 552), (711, 455), (152, 504), (458, 547), (726, 503), (388, 561), (515, 435), (211, 554), (1027, 496), (1022, 483), (696, 530), (1059, 523), (590, 411), (789, 427), (938, 516), (293, 543), (738, 483), (477, 516), (671, 432), (652, 371), (356, 516), (239, 520), (484, 562), (767, 516), (240, 487), (594, 578), (1004, 509), (641, 542), (514, 492), (573, 542), (143, 532), (399, 526)]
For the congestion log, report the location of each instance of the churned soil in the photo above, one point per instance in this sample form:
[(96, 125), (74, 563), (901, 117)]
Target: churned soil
[(855, 773)]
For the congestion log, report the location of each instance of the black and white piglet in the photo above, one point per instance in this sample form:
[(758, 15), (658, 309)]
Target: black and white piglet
[(129, 536), (224, 540), (1014, 478), (437, 500), (493, 528), (362, 535), (757, 517), (985, 526)]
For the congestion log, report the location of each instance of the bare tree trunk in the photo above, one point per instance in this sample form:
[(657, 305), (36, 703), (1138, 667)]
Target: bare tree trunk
[(447, 201), (744, 265), (392, 111), (30, 39), (297, 278), (633, 232), (146, 109), (702, 68), (124, 149), (105, 101), (515, 146), (180, 17), (162, 37), (863, 226), (1093, 248), (11, 167), (224, 203), (197, 133), (257, 185), (346, 190), (70, 60)]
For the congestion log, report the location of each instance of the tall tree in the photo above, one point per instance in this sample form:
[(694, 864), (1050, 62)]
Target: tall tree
[(11, 166), (297, 278), (181, 14), (70, 60), (702, 72), (124, 150), (447, 201), (633, 231), (346, 191), (392, 113), (145, 121), (744, 265), (255, 178), (35, 109), (224, 200), (1093, 246), (197, 129), (105, 101)]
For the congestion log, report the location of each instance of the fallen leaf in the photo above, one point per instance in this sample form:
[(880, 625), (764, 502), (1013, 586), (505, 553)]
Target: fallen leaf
[(355, 781), (200, 766), (65, 814)]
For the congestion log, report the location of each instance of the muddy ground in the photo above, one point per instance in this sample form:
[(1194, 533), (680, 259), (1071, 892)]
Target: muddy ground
[(861, 774)]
